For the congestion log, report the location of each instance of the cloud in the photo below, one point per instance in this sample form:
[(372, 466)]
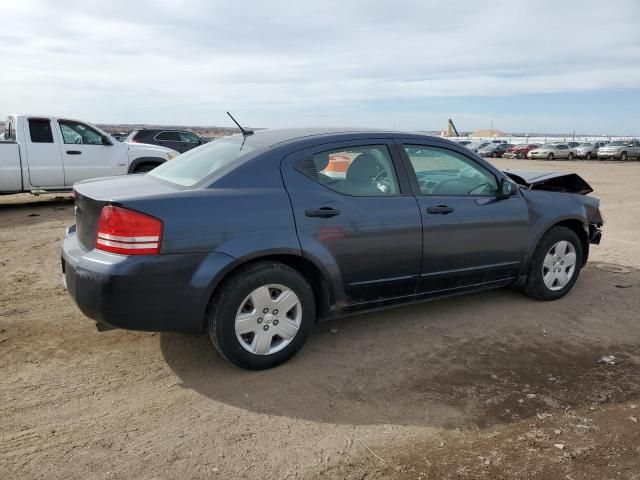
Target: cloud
[(157, 61)]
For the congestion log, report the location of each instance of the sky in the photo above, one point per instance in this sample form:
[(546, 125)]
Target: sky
[(532, 66)]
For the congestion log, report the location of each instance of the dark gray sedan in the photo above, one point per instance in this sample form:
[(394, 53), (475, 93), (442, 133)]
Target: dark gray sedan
[(252, 238)]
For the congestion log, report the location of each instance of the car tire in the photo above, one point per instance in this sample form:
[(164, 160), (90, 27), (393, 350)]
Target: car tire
[(260, 287), (588, 156), (570, 157), (494, 155), (624, 157), (542, 283), (550, 156)]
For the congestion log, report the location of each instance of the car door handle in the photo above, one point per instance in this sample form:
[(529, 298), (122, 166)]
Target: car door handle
[(441, 209), (74, 152), (324, 212)]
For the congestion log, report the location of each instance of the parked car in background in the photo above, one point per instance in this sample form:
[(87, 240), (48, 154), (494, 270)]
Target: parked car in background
[(520, 151), (587, 150), (464, 143), (573, 144), (50, 154), (414, 218), (551, 151), (475, 146), (620, 150), (494, 150), (178, 140), (120, 136)]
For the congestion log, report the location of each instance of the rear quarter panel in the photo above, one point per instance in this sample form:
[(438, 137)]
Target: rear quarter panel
[(10, 167)]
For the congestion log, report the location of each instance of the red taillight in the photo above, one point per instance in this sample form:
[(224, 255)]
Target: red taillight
[(127, 232)]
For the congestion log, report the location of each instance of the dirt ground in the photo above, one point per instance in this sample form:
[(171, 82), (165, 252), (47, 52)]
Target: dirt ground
[(490, 385)]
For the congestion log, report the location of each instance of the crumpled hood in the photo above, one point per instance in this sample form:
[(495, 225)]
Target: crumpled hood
[(552, 181)]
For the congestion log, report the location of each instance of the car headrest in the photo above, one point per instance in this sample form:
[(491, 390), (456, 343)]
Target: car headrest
[(364, 168)]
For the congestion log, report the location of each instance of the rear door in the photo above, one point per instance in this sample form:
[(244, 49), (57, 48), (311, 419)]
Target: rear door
[(170, 139), (470, 238), (355, 215), (86, 156), (43, 154)]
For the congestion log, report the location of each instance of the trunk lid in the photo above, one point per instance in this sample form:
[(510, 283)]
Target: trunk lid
[(92, 195), (551, 181)]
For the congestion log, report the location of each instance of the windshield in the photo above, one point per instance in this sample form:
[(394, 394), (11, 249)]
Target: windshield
[(197, 164), (548, 145), (618, 143), (585, 145)]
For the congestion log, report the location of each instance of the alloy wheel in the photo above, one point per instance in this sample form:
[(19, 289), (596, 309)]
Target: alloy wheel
[(268, 319), (559, 265)]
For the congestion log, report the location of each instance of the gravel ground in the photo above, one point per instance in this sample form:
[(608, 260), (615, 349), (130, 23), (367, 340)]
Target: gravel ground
[(490, 385)]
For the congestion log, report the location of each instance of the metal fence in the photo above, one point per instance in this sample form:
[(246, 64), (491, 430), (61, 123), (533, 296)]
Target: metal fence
[(547, 139)]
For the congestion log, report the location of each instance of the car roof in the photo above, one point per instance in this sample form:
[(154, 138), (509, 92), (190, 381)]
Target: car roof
[(272, 137)]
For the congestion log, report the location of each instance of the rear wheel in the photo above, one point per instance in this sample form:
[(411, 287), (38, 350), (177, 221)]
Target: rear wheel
[(550, 156), (570, 157), (261, 316), (555, 265)]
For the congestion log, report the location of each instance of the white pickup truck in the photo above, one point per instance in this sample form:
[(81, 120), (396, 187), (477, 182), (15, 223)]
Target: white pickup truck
[(46, 154)]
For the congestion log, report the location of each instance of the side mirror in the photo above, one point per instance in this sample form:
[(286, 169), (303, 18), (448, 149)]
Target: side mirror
[(105, 140), (506, 189)]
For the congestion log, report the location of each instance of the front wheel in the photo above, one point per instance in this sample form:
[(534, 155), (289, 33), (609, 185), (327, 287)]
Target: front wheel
[(624, 157), (570, 157), (261, 316), (550, 156), (555, 265), (588, 156), (494, 155)]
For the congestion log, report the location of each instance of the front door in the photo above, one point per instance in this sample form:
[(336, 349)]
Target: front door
[(85, 155), (353, 216), (43, 154), (471, 238)]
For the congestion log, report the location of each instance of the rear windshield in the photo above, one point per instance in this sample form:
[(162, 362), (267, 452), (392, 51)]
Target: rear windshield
[(196, 165)]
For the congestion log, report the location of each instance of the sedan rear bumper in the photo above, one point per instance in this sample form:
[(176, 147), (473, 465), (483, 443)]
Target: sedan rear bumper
[(145, 292)]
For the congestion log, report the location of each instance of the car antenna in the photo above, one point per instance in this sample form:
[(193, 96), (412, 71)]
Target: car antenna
[(245, 133)]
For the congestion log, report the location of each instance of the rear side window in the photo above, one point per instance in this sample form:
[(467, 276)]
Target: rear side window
[(168, 136), (357, 171), (40, 130), (200, 163)]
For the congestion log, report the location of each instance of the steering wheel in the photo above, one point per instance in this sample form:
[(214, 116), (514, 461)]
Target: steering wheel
[(381, 182)]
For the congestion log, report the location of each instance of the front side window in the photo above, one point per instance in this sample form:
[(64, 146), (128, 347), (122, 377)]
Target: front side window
[(197, 164), (357, 171), (445, 172), (562, 147), (79, 133), (40, 130), (188, 137)]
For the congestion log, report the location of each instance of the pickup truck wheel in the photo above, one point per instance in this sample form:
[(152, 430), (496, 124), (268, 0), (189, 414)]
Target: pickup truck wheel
[(261, 316), (570, 157), (555, 265), (624, 157), (550, 156), (145, 167)]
